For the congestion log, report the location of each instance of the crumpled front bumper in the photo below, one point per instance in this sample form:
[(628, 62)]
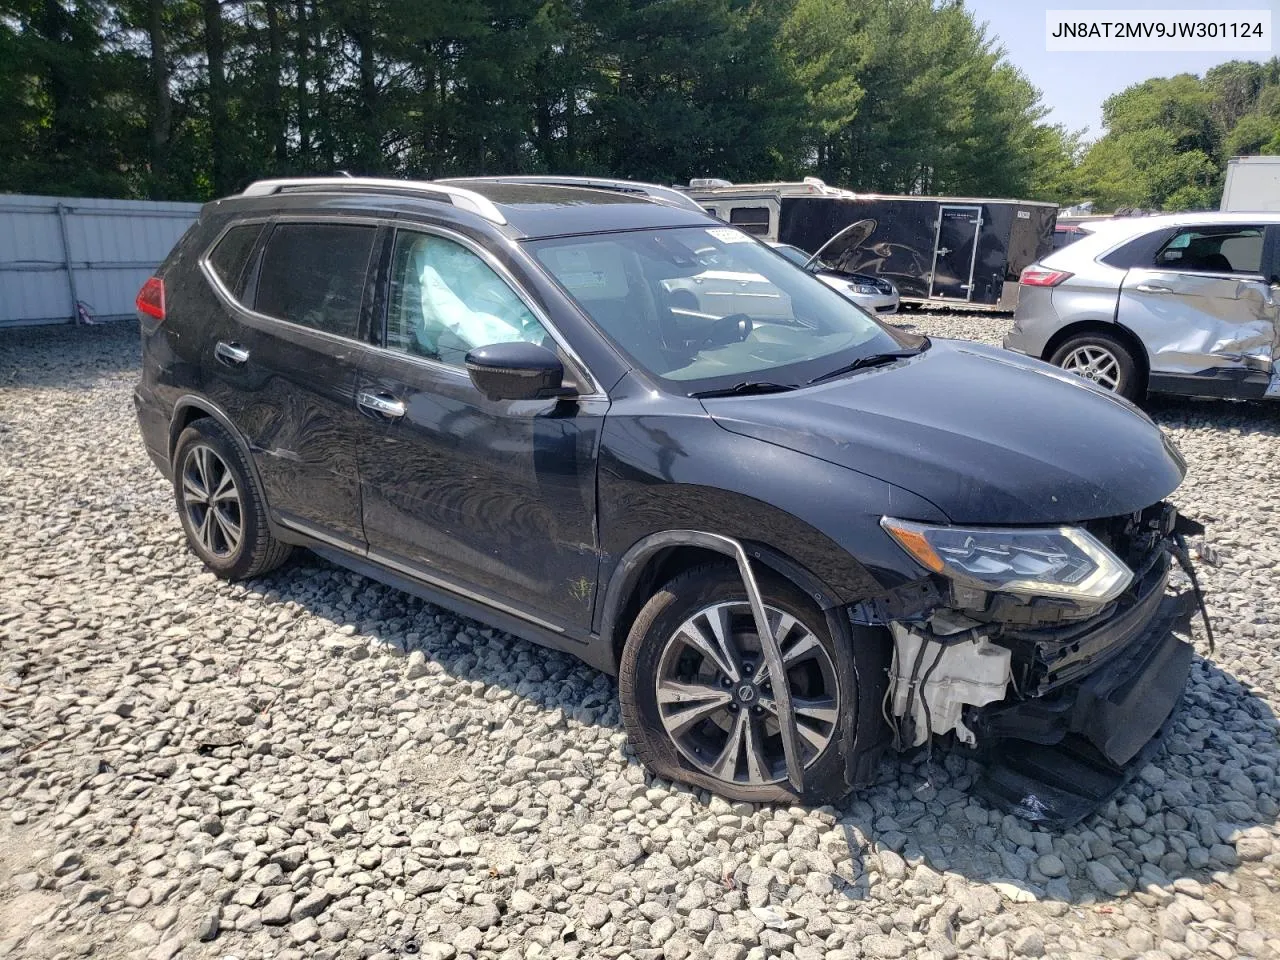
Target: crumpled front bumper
[(1055, 759)]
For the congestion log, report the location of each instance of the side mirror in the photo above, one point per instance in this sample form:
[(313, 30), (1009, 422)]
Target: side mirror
[(517, 371)]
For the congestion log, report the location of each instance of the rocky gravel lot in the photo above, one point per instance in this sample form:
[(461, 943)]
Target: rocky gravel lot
[(313, 765)]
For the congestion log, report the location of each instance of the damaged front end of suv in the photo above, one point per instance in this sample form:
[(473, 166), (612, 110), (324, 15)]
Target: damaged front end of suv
[(1055, 653)]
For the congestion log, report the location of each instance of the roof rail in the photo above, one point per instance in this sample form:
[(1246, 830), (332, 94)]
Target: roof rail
[(668, 195), (459, 197)]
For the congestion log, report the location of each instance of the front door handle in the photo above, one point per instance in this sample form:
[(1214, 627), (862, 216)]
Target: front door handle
[(1154, 288), (382, 404), (232, 354)]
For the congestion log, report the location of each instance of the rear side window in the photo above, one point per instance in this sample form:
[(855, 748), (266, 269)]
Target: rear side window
[(230, 255), (313, 274), (753, 220), (1213, 249)]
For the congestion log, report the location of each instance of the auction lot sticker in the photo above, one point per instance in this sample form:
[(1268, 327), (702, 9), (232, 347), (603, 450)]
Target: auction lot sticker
[(1128, 31)]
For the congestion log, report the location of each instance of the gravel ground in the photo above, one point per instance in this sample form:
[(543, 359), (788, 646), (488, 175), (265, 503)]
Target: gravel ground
[(311, 764)]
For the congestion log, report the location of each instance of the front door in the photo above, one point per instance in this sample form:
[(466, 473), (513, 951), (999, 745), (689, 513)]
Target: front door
[(492, 499), (1206, 311), (953, 253), (284, 368)]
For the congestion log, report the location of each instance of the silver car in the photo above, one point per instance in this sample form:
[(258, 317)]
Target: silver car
[(1179, 303), (874, 294)]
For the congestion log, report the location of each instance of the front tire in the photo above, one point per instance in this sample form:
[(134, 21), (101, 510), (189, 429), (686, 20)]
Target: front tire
[(223, 513), (697, 699), (1102, 359)]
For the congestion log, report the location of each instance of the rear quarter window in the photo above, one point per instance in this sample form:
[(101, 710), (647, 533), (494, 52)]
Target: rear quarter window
[(230, 256), (1140, 251)]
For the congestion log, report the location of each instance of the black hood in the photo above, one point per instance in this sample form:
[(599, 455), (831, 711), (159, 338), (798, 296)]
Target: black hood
[(987, 436)]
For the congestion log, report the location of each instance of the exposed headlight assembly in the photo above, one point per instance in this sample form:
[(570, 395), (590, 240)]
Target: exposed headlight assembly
[(865, 289), (1062, 562)]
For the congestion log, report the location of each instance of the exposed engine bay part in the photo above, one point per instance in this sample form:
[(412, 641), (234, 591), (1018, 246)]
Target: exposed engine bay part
[(935, 675)]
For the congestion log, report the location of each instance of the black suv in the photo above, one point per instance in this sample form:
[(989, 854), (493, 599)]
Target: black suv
[(594, 416)]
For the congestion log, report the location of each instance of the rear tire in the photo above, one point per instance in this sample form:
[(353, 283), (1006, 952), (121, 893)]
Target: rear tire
[(1102, 359), (223, 513), (733, 748)]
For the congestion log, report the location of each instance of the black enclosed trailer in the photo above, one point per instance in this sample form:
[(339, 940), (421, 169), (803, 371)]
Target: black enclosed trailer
[(935, 249)]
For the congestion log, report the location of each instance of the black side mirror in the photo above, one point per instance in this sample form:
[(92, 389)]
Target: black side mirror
[(517, 371)]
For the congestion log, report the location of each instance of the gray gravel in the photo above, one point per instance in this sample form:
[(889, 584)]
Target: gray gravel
[(311, 764)]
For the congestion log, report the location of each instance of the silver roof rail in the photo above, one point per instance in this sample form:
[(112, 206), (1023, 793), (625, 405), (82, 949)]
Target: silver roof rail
[(668, 195), (458, 196)]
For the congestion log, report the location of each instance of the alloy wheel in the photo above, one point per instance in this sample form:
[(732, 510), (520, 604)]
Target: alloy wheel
[(212, 501), (715, 693), (1095, 363)]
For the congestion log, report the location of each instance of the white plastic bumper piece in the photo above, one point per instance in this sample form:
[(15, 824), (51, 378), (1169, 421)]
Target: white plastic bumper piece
[(968, 671)]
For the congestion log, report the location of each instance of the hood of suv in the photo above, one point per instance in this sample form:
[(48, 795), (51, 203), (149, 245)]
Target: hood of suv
[(989, 437)]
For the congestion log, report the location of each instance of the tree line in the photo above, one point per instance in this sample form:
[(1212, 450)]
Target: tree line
[(1168, 140), (191, 99)]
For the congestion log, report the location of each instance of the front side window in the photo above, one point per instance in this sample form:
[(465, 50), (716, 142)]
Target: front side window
[(1213, 249), (708, 307), (445, 301), (313, 274), (230, 255)]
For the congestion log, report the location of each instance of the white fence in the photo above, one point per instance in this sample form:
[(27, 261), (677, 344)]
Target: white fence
[(56, 252)]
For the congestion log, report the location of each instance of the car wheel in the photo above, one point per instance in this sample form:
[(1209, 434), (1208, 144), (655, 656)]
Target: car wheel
[(222, 510), (1102, 359), (697, 698)]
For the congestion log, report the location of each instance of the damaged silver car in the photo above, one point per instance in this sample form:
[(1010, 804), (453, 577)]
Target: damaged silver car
[(1184, 303)]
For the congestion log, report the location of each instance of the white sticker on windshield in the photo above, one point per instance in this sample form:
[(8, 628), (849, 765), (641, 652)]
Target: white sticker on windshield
[(728, 235)]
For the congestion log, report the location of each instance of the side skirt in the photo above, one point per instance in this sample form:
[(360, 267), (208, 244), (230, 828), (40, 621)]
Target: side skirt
[(589, 649)]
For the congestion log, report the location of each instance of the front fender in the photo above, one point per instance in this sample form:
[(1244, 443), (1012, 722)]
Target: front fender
[(814, 521)]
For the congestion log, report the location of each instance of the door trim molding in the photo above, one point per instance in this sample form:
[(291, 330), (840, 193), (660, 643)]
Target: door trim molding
[(415, 572)]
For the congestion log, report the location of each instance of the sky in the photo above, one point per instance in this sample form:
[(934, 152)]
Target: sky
[(1075, 84)]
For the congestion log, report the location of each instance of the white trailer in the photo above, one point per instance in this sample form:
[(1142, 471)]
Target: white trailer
[(1253, 184)]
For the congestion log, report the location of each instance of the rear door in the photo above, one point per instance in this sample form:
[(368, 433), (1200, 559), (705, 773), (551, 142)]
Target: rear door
[(954, 251), (495, 500), (1206, 310), (285, 368)]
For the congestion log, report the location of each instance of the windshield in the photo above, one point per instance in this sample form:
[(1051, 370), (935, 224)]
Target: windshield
[(709, 307)]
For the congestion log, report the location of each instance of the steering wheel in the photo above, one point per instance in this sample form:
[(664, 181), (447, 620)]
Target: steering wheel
[(733, 328)]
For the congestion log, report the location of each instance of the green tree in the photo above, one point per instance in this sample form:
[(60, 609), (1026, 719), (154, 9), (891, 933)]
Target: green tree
[(193, 98)]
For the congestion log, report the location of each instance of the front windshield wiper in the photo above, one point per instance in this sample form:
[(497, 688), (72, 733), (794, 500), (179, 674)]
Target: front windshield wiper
[(746, 388), (871, 360)]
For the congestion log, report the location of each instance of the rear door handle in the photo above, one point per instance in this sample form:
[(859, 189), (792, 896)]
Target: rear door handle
[(232, 354), (382, 404), (1154, 288)]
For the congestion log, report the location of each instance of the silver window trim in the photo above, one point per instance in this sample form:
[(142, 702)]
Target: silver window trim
[(231, 301), (596, 392), (206, 261)]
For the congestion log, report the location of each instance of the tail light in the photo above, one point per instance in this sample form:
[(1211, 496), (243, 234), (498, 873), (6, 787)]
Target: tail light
[(1038, 276), (151, 298)]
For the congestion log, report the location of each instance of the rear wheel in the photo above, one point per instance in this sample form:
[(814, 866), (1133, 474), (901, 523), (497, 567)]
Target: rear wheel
[(222, 510), (698, 700), (1102, 359)]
